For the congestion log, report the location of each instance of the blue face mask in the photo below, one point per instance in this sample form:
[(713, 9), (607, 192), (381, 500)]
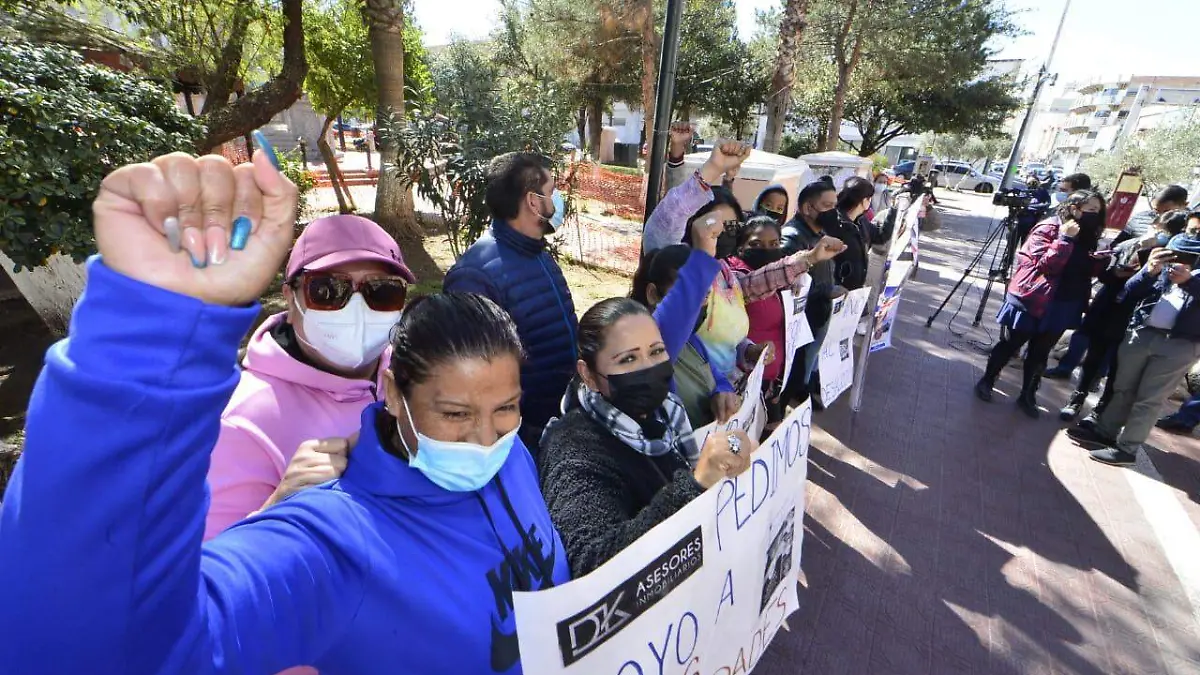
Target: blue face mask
[(456, 466), (1060, 197), (1162, 238), (560, 210)]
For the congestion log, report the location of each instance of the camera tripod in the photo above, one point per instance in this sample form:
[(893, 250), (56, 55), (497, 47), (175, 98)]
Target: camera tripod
[(1001, 243)]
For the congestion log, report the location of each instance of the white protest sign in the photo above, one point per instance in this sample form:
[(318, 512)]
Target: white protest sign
[(751, 417), (899, 268), (836, 363), (795, 322), (704, 592)]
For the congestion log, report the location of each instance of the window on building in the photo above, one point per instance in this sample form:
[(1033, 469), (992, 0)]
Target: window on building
[(1122, 114), (1093, 134), (617, 122)]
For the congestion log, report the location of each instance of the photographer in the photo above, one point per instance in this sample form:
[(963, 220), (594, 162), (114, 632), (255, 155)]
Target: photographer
[(1048, 292), (1034, 210)]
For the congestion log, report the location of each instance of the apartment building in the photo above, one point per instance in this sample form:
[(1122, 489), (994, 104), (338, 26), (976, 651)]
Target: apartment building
[(1103, 111)]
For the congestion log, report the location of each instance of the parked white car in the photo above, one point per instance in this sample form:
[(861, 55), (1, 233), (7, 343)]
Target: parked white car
[(960, 176)]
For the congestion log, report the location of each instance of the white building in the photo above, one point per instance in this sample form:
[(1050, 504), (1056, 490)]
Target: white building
[(1104, 111)]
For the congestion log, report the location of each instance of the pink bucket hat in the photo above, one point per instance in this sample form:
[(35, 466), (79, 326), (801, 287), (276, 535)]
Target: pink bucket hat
[(336, 240)]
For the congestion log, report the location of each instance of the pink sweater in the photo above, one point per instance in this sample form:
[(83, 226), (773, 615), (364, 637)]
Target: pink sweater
[(278, 404)]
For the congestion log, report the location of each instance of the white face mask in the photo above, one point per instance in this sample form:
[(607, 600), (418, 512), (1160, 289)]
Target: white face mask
[(349, 337)]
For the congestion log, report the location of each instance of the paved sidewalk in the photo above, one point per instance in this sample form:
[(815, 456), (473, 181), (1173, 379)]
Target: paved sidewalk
[(946, 535)]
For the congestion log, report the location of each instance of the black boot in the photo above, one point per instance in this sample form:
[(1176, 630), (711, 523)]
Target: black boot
[(983, 389), (1073, 406), (1027, 401)]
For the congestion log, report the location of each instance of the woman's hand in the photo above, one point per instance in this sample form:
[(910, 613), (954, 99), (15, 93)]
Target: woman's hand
[(705, 232), (753, 352), (680, 140), (726, 156), (1158, 258), (1179, 274), (725, 405), (718, 460), (170, 223), (1070, 228), (315, 462), (826, 249)]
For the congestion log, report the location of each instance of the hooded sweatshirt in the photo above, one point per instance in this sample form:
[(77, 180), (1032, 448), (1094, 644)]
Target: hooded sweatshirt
[(380, 571), (771, 189), (279, 403)]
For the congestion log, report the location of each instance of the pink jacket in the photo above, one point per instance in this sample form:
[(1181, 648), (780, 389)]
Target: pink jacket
[(278, 404)]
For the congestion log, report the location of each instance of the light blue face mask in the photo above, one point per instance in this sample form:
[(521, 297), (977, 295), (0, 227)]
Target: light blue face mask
[(1162, 238), (560, 210), (457, 466), (1060, 197)]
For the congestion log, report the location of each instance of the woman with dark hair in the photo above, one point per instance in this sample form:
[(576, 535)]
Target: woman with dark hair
[(858, 233), (1048, 293), (699, 202), (436, 520), (758, 246), (622, 458), (674, 283)]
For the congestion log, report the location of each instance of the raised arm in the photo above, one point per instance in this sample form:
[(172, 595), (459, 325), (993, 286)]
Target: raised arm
[(1047, 249), (677, 313), (103, 519), (668, 222), (770, 279)]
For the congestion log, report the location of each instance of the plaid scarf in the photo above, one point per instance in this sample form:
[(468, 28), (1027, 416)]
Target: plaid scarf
[(677, 436)]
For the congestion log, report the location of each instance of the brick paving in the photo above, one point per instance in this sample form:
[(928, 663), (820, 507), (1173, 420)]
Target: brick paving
[(946, 535)]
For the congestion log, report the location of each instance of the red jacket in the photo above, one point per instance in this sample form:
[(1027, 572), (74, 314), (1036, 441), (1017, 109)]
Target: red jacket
[(1039, 266), (766, 324)]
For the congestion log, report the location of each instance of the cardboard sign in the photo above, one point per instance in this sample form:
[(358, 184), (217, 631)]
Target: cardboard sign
[(797, 331), (703, 592), (751, 417), (836, 363)]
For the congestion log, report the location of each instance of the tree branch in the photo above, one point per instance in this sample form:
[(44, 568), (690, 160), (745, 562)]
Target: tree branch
[(258, 107)]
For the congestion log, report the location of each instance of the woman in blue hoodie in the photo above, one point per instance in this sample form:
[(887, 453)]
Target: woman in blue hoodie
[(405, 564)]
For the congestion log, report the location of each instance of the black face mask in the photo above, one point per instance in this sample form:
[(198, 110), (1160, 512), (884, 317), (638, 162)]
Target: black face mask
[(640, 392), (758, 258), (777, 215), (726, 245), (828, 220)]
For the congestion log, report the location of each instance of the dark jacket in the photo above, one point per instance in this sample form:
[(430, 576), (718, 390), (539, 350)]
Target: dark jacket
[(1107, 317), (798, 236), (850, 266), (518, 273), (602, 494), (1144, 290)]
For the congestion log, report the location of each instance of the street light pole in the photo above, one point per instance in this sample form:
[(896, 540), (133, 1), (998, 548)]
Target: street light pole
[(1042, 76), (665, 99)]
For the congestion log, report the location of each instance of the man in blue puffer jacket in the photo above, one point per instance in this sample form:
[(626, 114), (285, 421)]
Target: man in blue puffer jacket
[(510, 265)]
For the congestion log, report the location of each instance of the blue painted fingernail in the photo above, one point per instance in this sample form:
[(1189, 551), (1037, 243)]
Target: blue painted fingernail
[(261, 141), (200, 263), (241, 233)]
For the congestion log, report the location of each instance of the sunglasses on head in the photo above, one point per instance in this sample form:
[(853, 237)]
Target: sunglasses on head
[(330, 291)]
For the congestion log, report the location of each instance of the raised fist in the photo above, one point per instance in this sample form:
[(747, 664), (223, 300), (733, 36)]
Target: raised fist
[(827, 248), (197, 226), (728, 155), (681, 139)]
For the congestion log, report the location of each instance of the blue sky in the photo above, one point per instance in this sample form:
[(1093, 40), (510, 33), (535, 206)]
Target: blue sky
[(1101, 37)]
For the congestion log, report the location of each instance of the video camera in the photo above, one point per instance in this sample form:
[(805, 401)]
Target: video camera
[(1013, 198)]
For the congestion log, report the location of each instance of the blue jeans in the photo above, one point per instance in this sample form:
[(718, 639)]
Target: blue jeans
[(1189, 412), (1075, 352)]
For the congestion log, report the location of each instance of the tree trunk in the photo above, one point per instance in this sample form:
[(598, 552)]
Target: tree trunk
[(331, 166), (258, 107), (779, 101), (393, 199), (845, 67), (685, 113), (581, 125), (791, 31), (595, 125), (650, 49), (222, 86)]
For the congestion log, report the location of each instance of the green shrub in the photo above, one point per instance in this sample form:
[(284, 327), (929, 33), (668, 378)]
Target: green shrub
[(64, 125), (305, 180)]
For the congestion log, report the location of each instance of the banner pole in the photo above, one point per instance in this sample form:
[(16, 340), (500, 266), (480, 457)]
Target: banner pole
[(860, 365)]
